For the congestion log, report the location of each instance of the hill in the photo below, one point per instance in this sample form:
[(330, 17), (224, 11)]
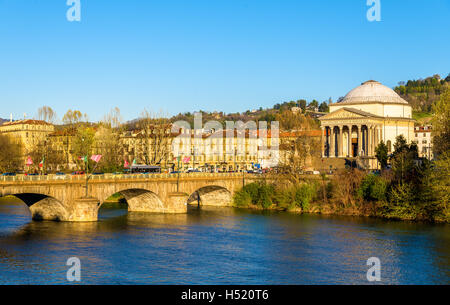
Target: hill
[(422, 93)]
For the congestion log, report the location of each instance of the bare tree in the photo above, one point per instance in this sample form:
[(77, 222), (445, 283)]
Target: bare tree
[(47, 114), (107, 141), (71, 120), (72, 117), (154, 138), (298, 152), (51, 156)]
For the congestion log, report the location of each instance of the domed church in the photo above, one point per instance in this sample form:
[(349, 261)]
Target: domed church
[(367, 115)]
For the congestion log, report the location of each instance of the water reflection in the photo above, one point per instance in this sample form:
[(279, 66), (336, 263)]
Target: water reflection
[(220, 246)]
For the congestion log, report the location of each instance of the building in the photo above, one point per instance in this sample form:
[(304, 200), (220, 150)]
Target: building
[(424, 139), (30, 133), (367, 115), (61, 142)]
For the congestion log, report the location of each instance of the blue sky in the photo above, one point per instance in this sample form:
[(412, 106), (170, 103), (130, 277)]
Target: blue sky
[(227, 55)]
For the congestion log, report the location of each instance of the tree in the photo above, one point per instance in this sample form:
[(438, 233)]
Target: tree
[(296, 154), (289, 120), (302, 104), (72, 117), (71, 120), (440, 184), (47, 114), (381, 153), (52, 157), (324, 107), (403, 161), (10, 154), (441, 124), (314, 104), (83, 145), (107, 143), (155, 132)]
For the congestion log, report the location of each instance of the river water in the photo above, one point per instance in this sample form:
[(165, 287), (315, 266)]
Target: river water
[(220, 246)]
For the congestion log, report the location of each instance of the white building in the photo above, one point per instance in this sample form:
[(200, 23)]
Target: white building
[(367, 115), (424, 141)]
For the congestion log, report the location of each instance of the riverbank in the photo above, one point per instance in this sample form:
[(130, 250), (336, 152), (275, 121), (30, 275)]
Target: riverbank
[(321, 209), (347, 193)]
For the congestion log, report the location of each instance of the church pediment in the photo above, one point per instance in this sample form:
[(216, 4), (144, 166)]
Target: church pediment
[(347, 113)]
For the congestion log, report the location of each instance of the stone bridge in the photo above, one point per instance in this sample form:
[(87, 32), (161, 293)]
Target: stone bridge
[(64, 198)]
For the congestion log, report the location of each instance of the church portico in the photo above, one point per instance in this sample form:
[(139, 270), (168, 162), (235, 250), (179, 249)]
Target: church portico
[(351, 140), (357, 124)]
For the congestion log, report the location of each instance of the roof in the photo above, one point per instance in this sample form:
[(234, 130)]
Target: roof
[(26, 122), (370, 92)]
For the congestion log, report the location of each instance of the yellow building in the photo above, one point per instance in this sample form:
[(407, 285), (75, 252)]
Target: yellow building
[(367, 115), (30, 133), (61, 141)]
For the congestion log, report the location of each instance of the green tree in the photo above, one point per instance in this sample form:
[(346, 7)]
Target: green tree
[(441, 124), (381, 153), (324, 107), (314, 104), (83, 143), (302, 104), (403, 160)]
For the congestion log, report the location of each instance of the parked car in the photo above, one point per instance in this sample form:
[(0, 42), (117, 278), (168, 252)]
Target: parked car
[(195, 170), (60, 175), (77, 173), (8, 174)]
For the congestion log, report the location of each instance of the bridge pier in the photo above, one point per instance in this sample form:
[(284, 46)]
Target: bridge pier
[(177, 203), (84, 210)]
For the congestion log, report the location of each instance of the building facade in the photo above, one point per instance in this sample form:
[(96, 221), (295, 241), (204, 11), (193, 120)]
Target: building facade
[(424, 139), (367, 115), (30, 133)]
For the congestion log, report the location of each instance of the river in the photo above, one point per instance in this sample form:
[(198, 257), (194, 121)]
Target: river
[(220, 246)]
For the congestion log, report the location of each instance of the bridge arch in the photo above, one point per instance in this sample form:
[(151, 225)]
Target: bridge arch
[(211, 195), (44, 207), (141, 200)]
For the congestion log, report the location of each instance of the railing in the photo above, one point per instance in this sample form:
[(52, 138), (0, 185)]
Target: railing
[(52, 177)]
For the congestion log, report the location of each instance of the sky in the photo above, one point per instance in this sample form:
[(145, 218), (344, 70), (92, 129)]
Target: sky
[(227, 55)]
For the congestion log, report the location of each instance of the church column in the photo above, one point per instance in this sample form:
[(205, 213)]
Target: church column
[(369, 141), (341, 142), (374, 145), (322, 141), (358, 136), (349, 144), (332, 142)]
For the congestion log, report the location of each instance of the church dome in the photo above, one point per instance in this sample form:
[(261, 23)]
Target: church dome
[(372, 91)]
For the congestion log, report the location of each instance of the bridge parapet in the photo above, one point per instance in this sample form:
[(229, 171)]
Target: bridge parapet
[(53, 177)]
